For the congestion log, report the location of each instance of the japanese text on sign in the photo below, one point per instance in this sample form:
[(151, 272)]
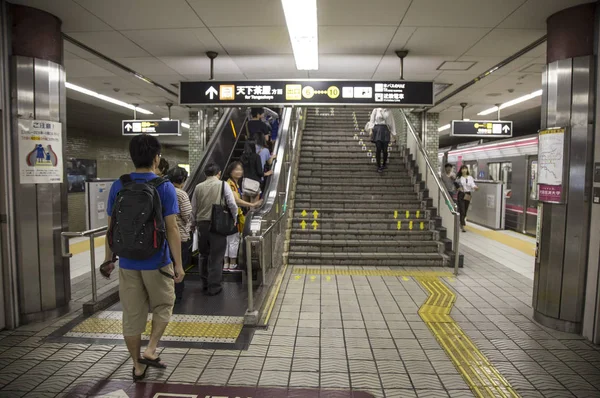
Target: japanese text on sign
[(40, 152)]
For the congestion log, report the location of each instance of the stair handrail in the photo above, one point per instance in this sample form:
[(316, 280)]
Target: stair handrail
[(441, 190)]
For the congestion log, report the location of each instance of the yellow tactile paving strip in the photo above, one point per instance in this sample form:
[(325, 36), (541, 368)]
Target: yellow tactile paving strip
[(510, 241), (108, 325), (84, 245), (481, 376)]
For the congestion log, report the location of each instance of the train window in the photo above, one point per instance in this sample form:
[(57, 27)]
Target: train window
[(494, 171), (506, 170)]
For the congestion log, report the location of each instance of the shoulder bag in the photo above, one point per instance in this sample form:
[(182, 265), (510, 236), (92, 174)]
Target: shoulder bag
[(221, 220)]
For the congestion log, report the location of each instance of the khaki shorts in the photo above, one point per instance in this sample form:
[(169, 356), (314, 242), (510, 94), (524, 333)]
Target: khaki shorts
[(139, 290)]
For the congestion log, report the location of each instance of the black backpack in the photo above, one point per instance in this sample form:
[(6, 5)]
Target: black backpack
[(137, 229)]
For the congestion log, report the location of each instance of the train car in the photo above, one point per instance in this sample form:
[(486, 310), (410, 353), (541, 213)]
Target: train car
[(512, 161)]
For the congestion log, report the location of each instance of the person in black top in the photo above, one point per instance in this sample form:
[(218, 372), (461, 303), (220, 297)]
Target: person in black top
[(256, 125), (253, 168)]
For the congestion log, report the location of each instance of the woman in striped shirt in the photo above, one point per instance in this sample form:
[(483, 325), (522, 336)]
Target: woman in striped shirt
[(178, 176)]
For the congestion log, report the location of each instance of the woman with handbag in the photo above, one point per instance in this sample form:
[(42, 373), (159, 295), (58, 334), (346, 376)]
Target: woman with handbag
[(466, 187), (382, 128), (253, 172), (235, 172)]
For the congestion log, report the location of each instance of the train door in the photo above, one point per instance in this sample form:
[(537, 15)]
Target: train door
[(473, 168), (532, 195)]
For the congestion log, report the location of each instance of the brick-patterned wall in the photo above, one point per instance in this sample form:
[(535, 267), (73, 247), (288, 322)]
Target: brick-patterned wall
[(112, 159), (195, 140), (432, 136), (400, 127)]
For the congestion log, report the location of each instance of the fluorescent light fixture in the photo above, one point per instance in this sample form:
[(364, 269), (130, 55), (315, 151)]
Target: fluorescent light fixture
[(512, 102), (301, 20), (187, 126), (106, 98), (166, 118), (443, 128)]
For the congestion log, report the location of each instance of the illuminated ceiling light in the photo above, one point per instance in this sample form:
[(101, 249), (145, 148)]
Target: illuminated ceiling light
[(301, 20), (187, 126), (512, 102), (106, 98), (166, 118), (443, 128)]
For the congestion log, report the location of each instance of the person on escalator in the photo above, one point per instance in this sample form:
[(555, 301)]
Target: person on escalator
[(235, 172), (253, 172), (178, 177), (256, 125), (383, 130)]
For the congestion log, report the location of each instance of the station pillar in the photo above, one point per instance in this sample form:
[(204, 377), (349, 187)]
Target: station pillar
[(569, 85), (33, 201), (197, 138)]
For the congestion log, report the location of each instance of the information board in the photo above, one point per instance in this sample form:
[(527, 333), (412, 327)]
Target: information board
[(40, 152), (158, 127), (306, 92), (551, 158), (482, 128)]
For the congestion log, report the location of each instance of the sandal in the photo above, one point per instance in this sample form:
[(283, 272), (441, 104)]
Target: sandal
[(141, 377), (155, 363)]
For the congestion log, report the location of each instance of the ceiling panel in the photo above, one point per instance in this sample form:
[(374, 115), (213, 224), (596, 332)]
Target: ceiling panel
[(253, 64), (147, 66), (505, 42), (444, 41), (218, 76), (142, 14), (400, 39), (239, 12), (295, 74), (174, 42), (79, 52), (346, 66), (459, 13), (418, 64), (104, 83), (533, 14), (349, 40), (201, 65), (111, 44), (254, 40), (83, 68), (361, 12), (74, 17)]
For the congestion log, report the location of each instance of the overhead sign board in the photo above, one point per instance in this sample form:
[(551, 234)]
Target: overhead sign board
[(306, 92), (158, 127), (482, 128)]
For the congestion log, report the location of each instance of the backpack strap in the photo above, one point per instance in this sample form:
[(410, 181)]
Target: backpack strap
[(157, 182), (126, 179)]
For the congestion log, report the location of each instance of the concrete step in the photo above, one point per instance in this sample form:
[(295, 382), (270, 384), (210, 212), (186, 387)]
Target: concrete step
[(396, 168), (363, 235), (374, 213), (365, 172), (355, 180), (351, 160), (364, 246), (364, 224), (325, 204), (351, 147), (338, 188), (367, 259), (355, 195)]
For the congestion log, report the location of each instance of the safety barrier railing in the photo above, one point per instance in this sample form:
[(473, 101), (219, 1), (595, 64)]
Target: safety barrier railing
[(92, 234), (265, 233), (449, 212)]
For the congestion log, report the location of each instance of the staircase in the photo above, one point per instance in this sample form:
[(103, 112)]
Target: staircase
[(348, 214)]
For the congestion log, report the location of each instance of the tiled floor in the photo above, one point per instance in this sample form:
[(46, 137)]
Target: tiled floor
[(342, 332)]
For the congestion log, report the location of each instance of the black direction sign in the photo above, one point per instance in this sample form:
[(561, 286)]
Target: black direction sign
[(158, 127), (482, 128), (306, 92)]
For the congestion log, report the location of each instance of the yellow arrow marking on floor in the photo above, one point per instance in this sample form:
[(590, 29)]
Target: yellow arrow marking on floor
[(303, 224), (315, 224), (315, 214), (404, 278), (407, 214), (395, 214), (418, 214), (410, 225), (304, 213), (312, 278), (399, 226), (327, 278), (422, 226), (297, 277)]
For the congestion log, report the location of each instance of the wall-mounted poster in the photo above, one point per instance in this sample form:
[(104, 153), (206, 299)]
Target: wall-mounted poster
[(78, 171), (40, 152), (551, 159)]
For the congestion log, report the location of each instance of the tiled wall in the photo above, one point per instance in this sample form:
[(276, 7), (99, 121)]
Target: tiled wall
[(431, 138), (112, 158)]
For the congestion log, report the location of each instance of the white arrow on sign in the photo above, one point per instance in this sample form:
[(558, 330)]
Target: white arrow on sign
[(211, 92), (506, 129), (128, 127)]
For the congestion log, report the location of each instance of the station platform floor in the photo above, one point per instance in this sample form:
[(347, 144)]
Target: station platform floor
[(347, 332)]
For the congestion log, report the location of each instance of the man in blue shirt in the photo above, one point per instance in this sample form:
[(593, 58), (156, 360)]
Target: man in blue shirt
[(148, 283)]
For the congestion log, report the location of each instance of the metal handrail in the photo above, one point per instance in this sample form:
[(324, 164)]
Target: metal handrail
[(449, 202), (441, 190), (91, 234)]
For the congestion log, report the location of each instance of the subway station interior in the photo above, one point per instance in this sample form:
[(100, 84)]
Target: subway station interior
[(422, 220)]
